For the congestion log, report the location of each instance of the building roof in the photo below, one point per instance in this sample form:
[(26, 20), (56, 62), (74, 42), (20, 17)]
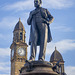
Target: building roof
[(19, 26), (56, 56)]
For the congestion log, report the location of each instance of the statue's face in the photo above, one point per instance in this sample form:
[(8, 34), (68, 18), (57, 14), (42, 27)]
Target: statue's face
[(37, 3)]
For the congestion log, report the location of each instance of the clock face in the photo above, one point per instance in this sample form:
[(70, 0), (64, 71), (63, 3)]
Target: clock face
[(21, 51), (12, 54)]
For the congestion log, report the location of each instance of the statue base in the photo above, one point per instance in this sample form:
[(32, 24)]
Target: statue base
[(37, 68)]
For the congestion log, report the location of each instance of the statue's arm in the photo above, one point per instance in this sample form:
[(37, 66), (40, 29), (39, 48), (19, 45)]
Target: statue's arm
[(29, 19), (50, 17)]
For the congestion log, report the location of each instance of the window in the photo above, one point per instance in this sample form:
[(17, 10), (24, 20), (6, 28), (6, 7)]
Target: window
[(21, 36)]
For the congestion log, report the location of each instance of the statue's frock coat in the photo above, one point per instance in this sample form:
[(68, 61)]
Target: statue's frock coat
[(34, 30)]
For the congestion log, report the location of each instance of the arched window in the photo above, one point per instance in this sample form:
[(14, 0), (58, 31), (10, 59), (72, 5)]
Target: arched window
[(17, 37), (21, 36)]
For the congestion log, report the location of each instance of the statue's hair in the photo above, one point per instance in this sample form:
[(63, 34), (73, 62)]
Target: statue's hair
[(40, 1)]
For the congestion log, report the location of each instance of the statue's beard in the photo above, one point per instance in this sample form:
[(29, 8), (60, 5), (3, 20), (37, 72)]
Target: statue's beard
[(37, 6)]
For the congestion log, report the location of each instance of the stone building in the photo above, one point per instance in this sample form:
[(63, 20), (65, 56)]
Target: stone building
[(18, 49), (56, 57)]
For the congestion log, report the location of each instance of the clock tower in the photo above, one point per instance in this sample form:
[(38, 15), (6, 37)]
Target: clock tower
[(18, 49)]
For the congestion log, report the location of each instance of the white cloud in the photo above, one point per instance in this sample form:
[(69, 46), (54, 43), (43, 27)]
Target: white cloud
[(58, 4), (8, 22), (20, 5), (28, 4), (4, 74), (5, 52), (70, 70), (63, 28), (4, 67), (62, 46), (4, 37)]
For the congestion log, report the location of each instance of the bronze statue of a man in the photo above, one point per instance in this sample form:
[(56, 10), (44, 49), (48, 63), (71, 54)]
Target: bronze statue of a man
[(39, 19)]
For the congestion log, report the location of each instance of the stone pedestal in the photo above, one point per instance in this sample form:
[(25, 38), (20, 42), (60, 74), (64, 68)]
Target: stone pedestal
[(37, 68)]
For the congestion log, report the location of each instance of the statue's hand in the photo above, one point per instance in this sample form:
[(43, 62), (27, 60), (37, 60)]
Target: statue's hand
[(48, 22), (33, 13), (45, 21)]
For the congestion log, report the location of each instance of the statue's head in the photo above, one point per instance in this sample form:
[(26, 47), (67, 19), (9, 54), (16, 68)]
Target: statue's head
[(37, 3)]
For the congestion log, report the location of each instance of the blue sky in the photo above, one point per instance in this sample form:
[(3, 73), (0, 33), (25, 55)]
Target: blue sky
[(62, 29)]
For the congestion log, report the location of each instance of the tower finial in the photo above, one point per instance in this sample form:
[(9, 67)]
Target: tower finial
[(19, 19), (55, 48)]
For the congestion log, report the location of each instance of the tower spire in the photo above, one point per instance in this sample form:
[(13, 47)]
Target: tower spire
[(19, 32), (55, 48), (19, 19)]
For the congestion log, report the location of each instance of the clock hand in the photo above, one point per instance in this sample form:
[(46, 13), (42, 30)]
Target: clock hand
[(20, 51)]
